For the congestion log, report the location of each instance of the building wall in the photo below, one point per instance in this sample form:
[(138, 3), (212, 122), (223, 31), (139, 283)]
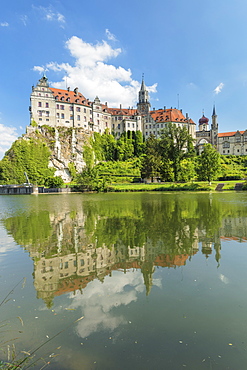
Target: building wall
[(234, 143)]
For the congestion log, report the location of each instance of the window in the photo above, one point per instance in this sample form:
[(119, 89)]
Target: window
[(78, 118), (85, 110), (47, 113), (226, 144), (78, 109), (62, 107), (85, 118), (39, 104), (118, 126), (57, 106), (97, 114), (66, 264), (128, 124), (71, 108), (113, 126), (62, 115), (71, 116), (133, 125), (40, 113), (47, 105)]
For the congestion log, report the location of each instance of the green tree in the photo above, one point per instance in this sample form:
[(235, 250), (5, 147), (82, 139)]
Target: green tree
[(152, 160), (187, 170), (90, 180), (54, 182), (175, 145), (30, 156), (208, 163)]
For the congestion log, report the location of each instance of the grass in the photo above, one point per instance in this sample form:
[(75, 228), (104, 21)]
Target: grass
[(172, 186), (23, 360)]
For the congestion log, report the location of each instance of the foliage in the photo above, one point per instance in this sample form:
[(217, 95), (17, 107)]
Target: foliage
[(187, 170), (175, 144), (90, 180), (88, 156), (30, 156), (152, 160), (54, 182), (72, 170), (120, 171), (208, 163)]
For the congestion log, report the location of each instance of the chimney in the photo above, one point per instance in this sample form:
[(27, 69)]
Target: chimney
[(76, 90), (181, 110), (106, 103), (164, 107), (120, 106), (153, 108), (68, 88), (187, 116)]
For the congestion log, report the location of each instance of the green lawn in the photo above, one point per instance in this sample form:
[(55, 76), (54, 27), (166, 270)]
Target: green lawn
[(169, 186)]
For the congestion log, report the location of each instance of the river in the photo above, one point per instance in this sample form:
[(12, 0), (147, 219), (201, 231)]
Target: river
[(124, 280)]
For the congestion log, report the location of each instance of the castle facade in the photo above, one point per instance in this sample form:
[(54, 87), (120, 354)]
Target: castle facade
[(69, 108)]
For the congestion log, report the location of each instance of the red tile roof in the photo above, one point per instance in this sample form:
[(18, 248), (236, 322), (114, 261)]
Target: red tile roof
[(66, 96), (225, 134), (169, 115), (122, 112)]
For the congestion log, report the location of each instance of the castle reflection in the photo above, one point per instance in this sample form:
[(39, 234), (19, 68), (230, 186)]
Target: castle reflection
[(78, 242)]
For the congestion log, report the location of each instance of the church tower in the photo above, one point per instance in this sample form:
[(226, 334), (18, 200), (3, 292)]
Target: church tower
[(143, 104), (214, 128)]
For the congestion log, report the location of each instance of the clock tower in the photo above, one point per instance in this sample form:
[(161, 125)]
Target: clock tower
[(143, 104)]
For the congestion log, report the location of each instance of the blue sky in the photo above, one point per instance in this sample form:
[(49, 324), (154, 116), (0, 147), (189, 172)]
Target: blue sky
[(195, 49)]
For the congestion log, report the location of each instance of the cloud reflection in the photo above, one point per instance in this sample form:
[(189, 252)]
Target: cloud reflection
[(99, 299)]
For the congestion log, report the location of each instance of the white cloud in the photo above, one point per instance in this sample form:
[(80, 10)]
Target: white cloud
[(110, 35), (7, 136), (99, 300), (24, 19), (50, 14), (224, 279), (39, 69), (4, 24), (218, 89), (95, 76)]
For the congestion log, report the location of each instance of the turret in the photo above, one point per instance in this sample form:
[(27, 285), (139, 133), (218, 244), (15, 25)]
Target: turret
[(214, 128), (143, 104)]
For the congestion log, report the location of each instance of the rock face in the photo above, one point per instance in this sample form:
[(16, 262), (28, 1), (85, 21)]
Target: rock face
[(66, 145)]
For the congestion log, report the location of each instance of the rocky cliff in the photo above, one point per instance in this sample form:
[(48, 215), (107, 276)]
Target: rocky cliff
[(66, 145)]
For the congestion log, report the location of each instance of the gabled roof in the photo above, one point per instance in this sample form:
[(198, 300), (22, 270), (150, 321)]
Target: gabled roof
[(69, 96), (122, 112), (169, 115), (233, 133)]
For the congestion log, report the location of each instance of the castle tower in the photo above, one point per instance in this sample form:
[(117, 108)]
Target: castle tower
[(143, 104), (203, 123), (214, 128)]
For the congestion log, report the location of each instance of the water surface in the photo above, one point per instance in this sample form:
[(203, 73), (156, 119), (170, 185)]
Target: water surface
[(159, 279)]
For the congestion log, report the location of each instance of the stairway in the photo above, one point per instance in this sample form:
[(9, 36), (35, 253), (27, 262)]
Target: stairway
[(219, 187), (238, 186)]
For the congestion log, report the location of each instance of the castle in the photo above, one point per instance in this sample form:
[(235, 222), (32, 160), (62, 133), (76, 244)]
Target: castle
[(69, 108)]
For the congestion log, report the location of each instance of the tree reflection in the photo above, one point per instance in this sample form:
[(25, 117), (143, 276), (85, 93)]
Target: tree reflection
[(76, 242)]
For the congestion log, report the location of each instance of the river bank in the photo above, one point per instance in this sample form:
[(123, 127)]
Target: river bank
[(172, 186)]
